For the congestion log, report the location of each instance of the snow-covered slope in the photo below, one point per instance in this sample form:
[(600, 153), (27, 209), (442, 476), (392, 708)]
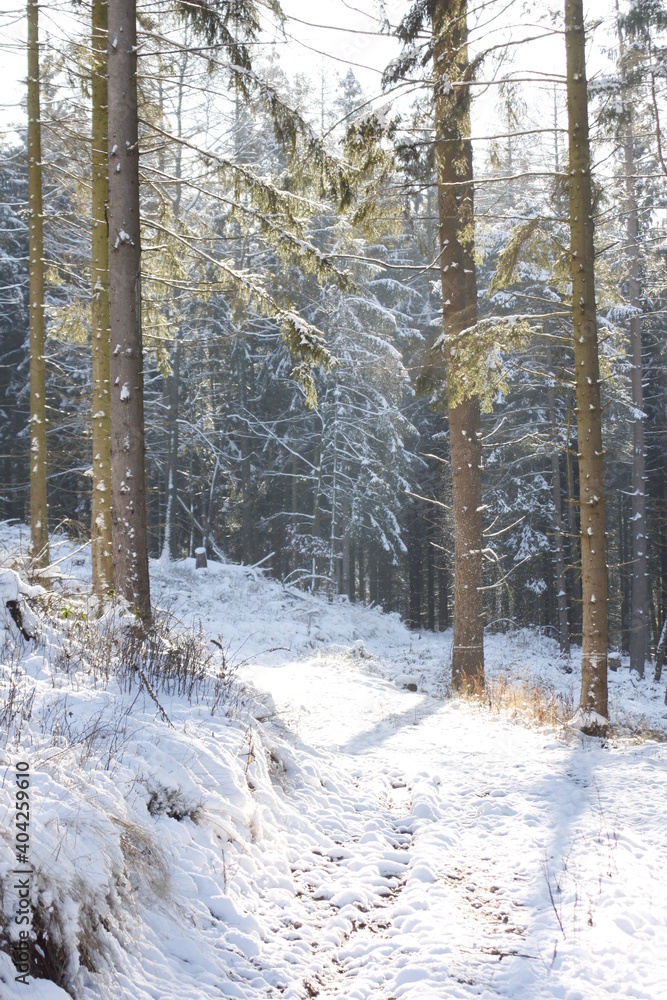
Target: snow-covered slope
[(345, 828)]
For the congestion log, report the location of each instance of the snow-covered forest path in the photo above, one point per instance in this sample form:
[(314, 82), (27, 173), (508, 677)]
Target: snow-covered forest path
[(346, 828), (474, 857), (443, 851)]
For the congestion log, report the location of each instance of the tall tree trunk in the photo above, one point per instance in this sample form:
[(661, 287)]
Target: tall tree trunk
[(172, 459), (593, 699), (334, 495), (387, 587), (173, 381), (559, 553), (294, 507), (574, 541), (560, 570), (372, 562), (430, 586), (39, 528), (317, 510), (661, 498), (345, 533), (623, 559), (191, 504), (128, 476), (459, 295), (415, 570), (639, 612), (443, 599), (100, 528)]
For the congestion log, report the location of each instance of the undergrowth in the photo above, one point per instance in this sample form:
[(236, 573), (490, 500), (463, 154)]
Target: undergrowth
[(41, 682), (164, 658)]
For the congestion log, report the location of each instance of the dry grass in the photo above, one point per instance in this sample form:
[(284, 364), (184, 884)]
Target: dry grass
[(167, 658), (539, 705), (164, 657), (518, 699)]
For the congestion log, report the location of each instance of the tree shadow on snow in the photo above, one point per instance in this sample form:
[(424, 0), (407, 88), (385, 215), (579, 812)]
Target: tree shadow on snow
[(387, 727)]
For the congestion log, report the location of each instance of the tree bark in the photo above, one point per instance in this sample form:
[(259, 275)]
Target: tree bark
[(624, 609), (430, 586), (345, 534), (415, 572), (128, 477), (459, 296), (443, 599), (172, 458), (387, 582), (334, 496), (317, 510), (372, 563), (173, 381), (593, 697), (39, 529), (559, 560), (100, 528), (574, 540)]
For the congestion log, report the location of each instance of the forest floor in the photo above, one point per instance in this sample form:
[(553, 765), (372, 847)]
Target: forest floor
[(342, 827)]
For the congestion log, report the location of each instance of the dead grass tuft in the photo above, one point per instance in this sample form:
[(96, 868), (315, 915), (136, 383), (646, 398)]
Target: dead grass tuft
[(529, 702)]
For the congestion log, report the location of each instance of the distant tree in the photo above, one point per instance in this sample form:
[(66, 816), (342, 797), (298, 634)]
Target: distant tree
[(640, 62), (349, 95), (14, 331)]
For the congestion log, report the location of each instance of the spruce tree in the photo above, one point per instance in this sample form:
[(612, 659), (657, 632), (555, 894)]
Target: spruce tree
[(128, 478), (100, 530), (593, 699), (39, 533), (451, 74)]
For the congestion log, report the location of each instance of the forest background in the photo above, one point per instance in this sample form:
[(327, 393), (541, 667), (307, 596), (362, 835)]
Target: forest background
[(290, 214)]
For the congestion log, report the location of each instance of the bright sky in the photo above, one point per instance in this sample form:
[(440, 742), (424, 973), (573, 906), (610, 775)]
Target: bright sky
[(324, 37), (350, 36)]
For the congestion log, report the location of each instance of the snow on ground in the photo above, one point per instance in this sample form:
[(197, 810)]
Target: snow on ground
[(347, 829)]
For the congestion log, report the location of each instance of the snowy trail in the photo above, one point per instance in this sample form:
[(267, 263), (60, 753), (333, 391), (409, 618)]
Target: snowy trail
[(493, 818), (533, 865), (351, 831)]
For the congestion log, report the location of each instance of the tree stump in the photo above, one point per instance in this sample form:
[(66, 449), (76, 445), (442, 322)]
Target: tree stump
[(200, 558), (13, 592), (614, 661)]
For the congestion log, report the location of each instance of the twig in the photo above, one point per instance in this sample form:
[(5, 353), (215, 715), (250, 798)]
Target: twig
[(553, 901), (163, 714)]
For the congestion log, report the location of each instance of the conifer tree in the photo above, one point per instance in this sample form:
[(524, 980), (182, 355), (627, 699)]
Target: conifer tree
[(635, 65), (128, 478), (639, 600), (593, 699), (100, 532), (447, 48), (451, 71), (39, 535)]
